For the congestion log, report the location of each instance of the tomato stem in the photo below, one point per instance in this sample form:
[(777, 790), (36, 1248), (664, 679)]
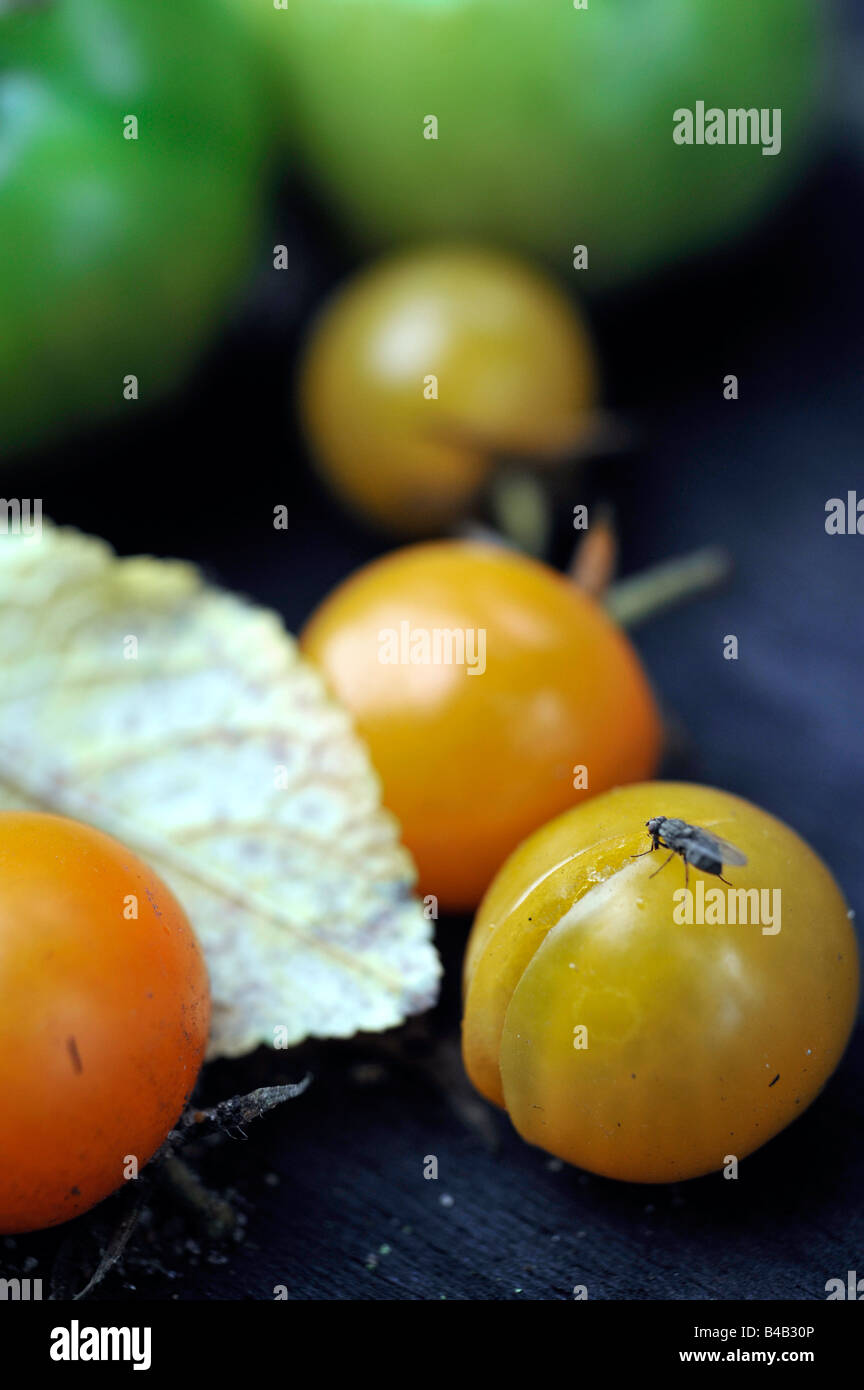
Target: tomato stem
[(521, 509), (595, 560), (212, 1212), (643, 596)]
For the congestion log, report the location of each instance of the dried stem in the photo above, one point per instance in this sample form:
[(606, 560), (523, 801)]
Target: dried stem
[(595, 561), (216, 1217), (234, 1113)]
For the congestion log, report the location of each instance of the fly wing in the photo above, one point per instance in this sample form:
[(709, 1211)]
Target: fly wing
[(729, 854)]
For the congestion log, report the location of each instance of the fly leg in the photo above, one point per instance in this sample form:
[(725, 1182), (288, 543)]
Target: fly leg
[(663, 865), (655, 845)]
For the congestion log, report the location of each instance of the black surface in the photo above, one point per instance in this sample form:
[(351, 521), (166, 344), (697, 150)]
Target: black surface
[(338, 1174)]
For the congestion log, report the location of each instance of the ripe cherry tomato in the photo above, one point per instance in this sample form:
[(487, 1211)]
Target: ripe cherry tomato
[(701, 1041), (473, 761), (426, 366), (104, 1016)]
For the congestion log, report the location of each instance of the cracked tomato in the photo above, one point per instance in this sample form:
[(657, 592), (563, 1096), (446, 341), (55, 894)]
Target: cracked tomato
[(631, 1041)]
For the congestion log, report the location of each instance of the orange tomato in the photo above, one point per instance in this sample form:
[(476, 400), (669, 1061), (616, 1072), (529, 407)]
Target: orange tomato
[(631, 1043), (426, 366), (104, 1016), (473, 761)]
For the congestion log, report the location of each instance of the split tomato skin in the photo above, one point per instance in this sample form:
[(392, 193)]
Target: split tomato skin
[(104, 1016), (702, 1041), (472, 763)]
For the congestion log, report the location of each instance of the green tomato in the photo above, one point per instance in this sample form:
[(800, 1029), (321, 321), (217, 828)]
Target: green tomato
[(555, 124), (119, 254)]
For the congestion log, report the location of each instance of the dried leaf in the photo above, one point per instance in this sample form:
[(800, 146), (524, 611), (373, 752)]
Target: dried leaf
[(182, 720)]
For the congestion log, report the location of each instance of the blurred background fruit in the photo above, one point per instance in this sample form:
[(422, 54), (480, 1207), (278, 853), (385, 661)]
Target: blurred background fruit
[(120, 255), (554, 124), (425, 368), (473, 761)]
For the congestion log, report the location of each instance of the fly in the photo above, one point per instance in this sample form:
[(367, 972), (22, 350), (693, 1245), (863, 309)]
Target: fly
[(695, 846)]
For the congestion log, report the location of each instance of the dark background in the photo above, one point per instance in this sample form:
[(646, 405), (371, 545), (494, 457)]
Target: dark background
[(331, 1187)]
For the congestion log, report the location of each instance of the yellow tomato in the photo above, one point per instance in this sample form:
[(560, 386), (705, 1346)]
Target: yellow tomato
[(474, 754), (425, 367), (630, 1043)]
